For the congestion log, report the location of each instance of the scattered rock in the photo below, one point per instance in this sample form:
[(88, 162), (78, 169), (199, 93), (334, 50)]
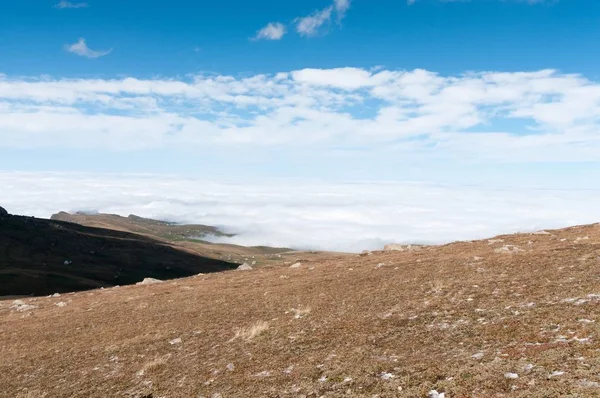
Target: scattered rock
[(510, 375), (588, 384), (55, 295), (477, 356), (245, 267), (68, 262), (401, 248), (296, 265), (541, 233), (22, 306), (509, 249), (435, 394), (230, 367), (493, 241), (149, 281), (557, 373), (61, 304), (175, 341)]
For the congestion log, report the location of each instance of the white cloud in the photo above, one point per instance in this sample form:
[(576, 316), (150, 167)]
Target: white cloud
[(273, 31), (312, 215), (309, 25), (488, 117), (341, 7), (346, 78), (65, 4), (81, 48)]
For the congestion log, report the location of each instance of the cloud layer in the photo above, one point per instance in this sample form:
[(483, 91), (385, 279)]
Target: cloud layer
[(489, 116), (310, 215)]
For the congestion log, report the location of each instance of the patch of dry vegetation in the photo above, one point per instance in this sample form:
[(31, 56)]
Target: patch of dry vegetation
[(464, 320), (250, 332)]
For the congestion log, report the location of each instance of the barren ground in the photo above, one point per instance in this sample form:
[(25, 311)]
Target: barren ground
[(471, 319)]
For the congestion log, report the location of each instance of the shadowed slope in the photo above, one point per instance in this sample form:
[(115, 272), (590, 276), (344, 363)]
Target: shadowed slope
[(40, 257)]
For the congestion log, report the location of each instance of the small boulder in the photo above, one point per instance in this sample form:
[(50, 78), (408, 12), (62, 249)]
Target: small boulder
[(245, 267), (296, 265), (149, 281)]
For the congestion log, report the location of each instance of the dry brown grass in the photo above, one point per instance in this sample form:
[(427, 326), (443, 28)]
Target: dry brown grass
[(453, 318), (252, 331)]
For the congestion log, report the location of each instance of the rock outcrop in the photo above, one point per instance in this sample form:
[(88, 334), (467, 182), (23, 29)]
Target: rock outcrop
[(401, 248)]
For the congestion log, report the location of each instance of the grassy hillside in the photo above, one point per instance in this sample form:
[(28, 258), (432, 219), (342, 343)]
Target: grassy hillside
[(513, 316)]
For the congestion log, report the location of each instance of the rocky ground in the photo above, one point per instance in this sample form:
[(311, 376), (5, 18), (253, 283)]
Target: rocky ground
[(512, 316)]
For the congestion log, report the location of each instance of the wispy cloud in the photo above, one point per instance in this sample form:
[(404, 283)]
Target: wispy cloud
[(310, 25), (81, 48), (341, 7), (273, 31), (66, 4)]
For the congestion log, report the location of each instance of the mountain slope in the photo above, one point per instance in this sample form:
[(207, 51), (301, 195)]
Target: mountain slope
[(41, 257), (190, 237), (513, 316)]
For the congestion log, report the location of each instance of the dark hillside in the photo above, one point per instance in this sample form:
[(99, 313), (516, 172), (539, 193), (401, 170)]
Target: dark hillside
[(41, 257)]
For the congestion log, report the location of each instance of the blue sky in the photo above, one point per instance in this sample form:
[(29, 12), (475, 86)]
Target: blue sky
[(155, 38), (475, 91)]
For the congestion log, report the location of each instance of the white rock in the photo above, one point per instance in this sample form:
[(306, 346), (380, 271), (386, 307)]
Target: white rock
[(149, 281), (511, 375), (435, 394), (478, 355), (245, 267), (230, 367), (509, 249), (401, 248), (296, 265), (588, 384), (175, 341), (61, 304), (21, 306), (386, 376)]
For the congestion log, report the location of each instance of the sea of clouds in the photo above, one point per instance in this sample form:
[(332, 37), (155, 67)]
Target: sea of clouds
[(307, 215)]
